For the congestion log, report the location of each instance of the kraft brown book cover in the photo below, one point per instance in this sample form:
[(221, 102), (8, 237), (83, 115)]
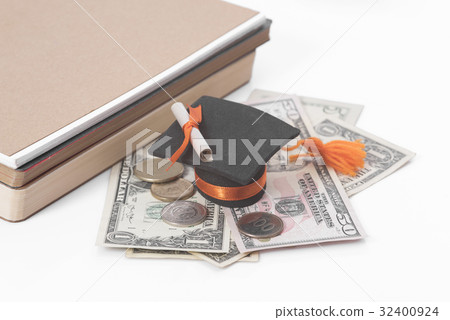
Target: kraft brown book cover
[(91, 59), (20, 203), (19, 177)]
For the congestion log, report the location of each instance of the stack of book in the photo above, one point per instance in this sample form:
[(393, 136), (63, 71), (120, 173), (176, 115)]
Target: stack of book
[(85, 82)]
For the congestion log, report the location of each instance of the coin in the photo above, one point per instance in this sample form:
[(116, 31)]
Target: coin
[(184, 213), (260, 225), (179, 189), (155, 170)]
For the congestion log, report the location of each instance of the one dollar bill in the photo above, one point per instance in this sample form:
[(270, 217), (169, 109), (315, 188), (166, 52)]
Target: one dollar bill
[(217, 259), (159, 254), (223, 260), (382, 157), (132, 219)]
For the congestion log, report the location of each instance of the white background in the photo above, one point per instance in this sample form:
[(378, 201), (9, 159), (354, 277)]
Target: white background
[(395, 61)]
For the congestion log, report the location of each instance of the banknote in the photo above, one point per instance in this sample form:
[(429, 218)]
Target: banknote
[(382, 159), (217, 259), (251, 257), (317, 109), (306, 195), (159, 254), (225, 259), (132, 219), (312, 204)]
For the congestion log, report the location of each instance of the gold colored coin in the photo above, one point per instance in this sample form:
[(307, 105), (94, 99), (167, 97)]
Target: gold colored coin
[(155, 170), (179, 189)]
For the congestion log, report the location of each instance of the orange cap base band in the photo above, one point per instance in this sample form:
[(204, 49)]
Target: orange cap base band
[(232, 193)]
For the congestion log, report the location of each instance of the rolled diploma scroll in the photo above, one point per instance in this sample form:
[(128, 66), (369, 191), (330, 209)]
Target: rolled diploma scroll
[(199, 144)]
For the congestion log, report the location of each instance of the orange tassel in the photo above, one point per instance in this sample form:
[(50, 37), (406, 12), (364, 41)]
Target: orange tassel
[(343, 156)]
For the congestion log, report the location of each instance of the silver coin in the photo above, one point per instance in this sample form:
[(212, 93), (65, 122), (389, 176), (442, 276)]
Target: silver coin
[(179, 189), (157, 170), (184, 213), (260, 225)]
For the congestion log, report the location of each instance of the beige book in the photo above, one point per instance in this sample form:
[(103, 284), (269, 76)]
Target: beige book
[(19, 177), (67, 65), (19, 204)]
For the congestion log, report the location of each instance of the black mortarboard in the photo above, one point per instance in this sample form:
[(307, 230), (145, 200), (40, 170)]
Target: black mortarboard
[(226, 179)]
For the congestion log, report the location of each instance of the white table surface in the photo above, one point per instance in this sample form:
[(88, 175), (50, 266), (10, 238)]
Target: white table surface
[(394, 59)]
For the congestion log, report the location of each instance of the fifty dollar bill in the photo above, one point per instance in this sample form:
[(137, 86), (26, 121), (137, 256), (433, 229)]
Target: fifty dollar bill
[(309, 197)]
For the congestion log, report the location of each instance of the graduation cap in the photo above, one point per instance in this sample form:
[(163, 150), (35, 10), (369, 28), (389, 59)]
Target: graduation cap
[(242, 138)]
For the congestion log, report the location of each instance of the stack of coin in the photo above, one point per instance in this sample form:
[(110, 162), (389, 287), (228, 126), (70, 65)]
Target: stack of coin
[(155, 170), (166, 182), (179, 189), (167, 186)]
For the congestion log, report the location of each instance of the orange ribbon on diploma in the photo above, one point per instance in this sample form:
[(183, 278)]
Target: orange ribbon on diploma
[(195, 118)]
